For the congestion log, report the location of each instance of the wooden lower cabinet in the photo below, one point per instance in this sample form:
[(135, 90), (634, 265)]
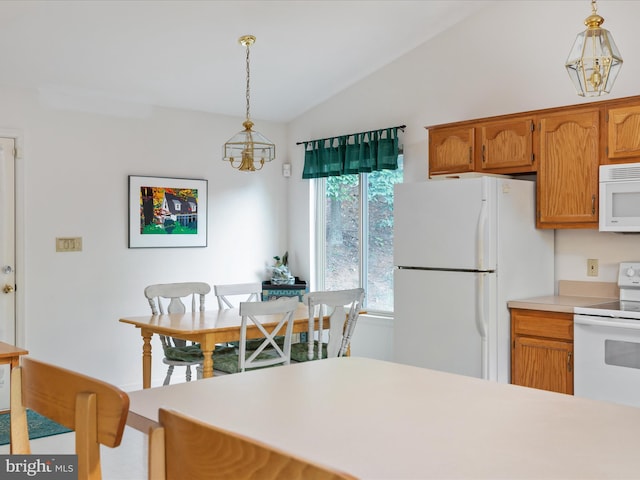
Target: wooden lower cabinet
[(542, 350)]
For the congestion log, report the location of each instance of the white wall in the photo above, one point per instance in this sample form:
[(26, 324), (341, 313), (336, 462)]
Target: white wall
[(508, 58), (72, 181)]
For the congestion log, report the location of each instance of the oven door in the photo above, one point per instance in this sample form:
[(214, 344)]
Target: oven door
[(607, 359)]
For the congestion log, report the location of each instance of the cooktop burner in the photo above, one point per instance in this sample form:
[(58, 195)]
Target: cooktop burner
[(629, 304), (621, 309)]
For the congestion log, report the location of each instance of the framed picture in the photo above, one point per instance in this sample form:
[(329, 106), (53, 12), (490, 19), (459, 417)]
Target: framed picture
[(167, 212)]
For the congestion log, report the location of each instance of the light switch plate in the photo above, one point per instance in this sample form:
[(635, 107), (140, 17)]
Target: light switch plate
[(68, 244)]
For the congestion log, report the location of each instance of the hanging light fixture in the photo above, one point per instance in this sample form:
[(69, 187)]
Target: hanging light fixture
[(594, 61), (248, 150)]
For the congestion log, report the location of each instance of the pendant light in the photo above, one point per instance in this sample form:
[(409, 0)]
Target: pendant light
[(248, 150), (594, 61)]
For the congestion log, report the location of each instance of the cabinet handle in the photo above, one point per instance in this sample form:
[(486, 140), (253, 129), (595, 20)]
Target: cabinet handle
[(593, 204), (483, 159), (569, 367), (470, 156)]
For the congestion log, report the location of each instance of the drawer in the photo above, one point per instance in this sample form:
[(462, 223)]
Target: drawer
[(536, 323)]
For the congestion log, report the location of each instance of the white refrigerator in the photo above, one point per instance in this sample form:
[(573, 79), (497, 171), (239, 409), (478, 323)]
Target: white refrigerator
[(463, 248)]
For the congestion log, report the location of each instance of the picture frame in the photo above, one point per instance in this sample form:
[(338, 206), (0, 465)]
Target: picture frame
[(166, 212)]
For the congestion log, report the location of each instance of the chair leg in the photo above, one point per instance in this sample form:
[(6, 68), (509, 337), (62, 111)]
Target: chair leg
[(168, 377), (188, 373)]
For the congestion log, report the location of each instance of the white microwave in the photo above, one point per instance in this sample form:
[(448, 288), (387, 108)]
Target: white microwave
[(620, 198)]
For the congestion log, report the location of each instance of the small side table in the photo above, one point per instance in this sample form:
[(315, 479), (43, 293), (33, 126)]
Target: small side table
[(10, 354)]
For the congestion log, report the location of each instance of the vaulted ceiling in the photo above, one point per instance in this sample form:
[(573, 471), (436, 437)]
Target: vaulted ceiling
[(186, 54)]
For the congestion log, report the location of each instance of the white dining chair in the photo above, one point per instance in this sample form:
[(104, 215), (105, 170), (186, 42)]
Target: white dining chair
[(343, 309), (269, 349), (230, 295), (168, 298)]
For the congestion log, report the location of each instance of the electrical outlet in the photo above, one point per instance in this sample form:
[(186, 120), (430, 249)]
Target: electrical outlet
[(69, 244), (592, 267)]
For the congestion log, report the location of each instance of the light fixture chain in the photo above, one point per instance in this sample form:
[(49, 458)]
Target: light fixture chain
[(248, 150), (248, 76)]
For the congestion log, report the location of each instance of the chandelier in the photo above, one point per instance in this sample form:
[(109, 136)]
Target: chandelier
[(594, 61), (248, 150)]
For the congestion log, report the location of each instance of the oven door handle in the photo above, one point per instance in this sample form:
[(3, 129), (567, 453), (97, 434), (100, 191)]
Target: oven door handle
[(609, 322)]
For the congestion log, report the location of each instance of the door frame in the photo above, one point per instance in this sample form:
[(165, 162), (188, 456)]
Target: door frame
[(18, 137)]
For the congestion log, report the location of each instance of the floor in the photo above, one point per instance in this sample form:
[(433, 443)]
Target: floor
[(126, 462)]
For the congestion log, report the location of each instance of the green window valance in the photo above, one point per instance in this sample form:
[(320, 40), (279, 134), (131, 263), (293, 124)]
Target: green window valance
[(355, 153)]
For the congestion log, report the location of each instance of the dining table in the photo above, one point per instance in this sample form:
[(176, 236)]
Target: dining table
[(207, 328), (10, 355), (375, 419)]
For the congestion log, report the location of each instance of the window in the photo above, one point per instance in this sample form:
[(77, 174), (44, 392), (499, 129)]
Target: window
[(355, 234)]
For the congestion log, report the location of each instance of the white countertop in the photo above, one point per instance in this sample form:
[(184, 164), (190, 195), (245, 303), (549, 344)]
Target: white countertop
[(557, 303), (381, 420), (571, 293)]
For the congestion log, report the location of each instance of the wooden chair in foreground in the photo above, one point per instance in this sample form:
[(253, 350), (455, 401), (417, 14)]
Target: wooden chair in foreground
[(95, 410), (183, 447)]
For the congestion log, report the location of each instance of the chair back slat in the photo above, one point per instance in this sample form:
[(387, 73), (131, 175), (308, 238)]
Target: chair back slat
[(174, 293), (249, 292), (184, 447)]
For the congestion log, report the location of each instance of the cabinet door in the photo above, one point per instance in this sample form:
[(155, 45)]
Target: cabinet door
[(507, 146), (544, 364), (623, 133), (451, 150), (568, 170)]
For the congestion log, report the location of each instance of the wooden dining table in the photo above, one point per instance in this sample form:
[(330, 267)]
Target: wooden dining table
[(381, 420), (10, 355), (207, 328)]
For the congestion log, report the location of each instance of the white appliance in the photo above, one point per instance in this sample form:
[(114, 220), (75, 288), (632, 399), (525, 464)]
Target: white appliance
[(606, 344), (620, 198), (462, 249)]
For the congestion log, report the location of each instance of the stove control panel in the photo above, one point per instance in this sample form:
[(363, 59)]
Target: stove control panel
[(629, 281)]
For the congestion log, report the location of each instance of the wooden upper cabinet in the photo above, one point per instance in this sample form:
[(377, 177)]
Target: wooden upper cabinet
[(623, 133), (568, 169), (507, 146), (451, 150)]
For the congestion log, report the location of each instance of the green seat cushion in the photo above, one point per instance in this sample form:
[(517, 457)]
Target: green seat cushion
[(254, 343), (299, 351), (192, 353), (229, 362)]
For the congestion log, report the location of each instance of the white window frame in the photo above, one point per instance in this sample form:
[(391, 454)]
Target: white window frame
[(320, 235)]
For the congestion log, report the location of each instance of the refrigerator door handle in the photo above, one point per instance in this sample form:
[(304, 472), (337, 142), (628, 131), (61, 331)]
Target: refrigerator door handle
[(482, 225), (481, 325)]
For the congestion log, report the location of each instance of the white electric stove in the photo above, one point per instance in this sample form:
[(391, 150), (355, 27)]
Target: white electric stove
[(607, 344)]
